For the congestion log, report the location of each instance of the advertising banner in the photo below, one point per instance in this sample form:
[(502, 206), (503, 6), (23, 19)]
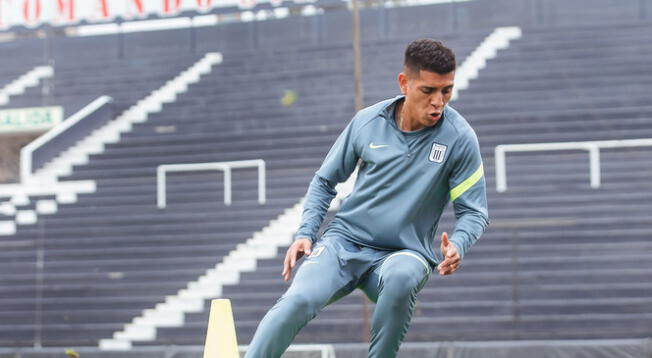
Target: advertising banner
[(32, 13), (26, 120)]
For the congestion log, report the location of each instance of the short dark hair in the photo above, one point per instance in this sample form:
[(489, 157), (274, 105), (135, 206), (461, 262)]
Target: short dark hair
[(429, 55)]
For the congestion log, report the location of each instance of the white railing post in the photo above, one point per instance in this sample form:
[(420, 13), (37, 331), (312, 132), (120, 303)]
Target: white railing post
[(262, 185), (501, 171), (226, 167), (160, 186), (594, 168), (227, 185)]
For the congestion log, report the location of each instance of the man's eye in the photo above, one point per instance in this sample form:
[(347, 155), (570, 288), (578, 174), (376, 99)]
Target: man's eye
[(426, 91)]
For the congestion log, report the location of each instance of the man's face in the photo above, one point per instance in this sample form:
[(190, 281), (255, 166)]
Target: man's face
[(426, 95)]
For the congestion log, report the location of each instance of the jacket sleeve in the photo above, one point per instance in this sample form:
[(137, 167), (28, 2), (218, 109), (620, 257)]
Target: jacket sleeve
[(468, 195), (336, 168)]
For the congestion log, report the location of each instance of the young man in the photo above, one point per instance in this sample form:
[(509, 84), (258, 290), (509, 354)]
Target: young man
[(416, 155)]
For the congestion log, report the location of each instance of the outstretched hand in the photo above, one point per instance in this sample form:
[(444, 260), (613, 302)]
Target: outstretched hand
[(296, 251), (451, 257)]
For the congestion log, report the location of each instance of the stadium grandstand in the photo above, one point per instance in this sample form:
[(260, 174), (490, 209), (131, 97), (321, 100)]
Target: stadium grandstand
[(155, 155)]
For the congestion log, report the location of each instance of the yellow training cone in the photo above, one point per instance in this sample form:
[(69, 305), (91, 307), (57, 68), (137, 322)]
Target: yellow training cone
[(221, 341)]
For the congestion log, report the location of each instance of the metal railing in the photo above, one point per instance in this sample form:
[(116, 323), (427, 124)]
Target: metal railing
[(324, 350), (76, 127), (593, 147), (226, 167)]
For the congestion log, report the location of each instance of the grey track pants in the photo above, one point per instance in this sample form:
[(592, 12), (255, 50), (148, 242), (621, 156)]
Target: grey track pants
[(335, 268)]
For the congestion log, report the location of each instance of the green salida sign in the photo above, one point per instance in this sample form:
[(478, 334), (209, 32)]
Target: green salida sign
[(34, 119)]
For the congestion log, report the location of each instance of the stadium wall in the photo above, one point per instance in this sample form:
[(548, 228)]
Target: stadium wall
[(334, 26), (622, 348)]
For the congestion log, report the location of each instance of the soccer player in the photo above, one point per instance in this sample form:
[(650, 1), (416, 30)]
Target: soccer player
[(416, 154)]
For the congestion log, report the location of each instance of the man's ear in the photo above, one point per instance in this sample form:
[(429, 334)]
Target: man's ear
[(403, 82)]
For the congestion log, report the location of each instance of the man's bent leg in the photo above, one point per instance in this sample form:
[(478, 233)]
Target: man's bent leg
[(394, 285), (319, 280)]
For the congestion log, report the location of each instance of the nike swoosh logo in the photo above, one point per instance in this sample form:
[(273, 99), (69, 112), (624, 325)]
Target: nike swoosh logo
[(372, 146)]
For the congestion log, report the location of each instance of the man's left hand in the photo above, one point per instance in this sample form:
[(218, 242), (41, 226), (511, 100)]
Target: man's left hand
[(452, 258)]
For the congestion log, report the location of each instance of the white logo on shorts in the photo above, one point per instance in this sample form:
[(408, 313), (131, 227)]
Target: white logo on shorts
[(316, 252)]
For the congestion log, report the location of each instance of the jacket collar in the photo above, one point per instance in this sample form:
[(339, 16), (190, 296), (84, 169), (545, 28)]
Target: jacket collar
[(387, 111)]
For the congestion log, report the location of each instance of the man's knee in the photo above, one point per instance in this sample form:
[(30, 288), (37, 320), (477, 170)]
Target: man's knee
[(301, 303), (404, 274), (402, 280)]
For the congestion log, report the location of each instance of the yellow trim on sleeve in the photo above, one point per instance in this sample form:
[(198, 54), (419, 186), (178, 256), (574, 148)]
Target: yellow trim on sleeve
[(466, 184)]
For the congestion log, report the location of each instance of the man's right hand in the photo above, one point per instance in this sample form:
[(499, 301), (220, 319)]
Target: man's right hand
[(296, 251)]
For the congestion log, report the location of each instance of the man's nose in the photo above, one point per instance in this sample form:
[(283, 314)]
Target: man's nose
[(437, 101)]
